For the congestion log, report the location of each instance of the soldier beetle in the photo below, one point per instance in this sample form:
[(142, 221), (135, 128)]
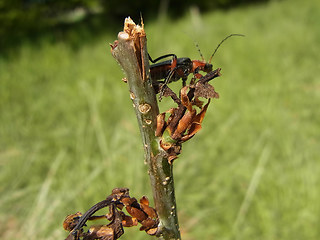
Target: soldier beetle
[(176, 68)]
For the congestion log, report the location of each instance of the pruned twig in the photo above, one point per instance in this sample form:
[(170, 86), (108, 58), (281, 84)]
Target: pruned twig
[(130, 51)]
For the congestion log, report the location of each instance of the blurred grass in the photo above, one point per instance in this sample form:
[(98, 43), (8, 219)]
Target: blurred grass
[(68, 134)]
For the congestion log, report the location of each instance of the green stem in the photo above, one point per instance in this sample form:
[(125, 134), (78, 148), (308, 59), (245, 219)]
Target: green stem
[(131, 53)]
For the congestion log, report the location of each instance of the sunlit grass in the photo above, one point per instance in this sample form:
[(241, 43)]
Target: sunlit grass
[(68, 134)]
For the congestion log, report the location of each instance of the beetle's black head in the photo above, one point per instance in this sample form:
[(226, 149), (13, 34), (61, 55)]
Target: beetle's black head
[(207, 67)]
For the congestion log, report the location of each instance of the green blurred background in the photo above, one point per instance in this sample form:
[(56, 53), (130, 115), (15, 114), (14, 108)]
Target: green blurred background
[(68, 134)]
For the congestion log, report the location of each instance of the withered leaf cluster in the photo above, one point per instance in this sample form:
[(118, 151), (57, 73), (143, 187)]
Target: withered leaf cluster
[(181, 123), (139, 212)]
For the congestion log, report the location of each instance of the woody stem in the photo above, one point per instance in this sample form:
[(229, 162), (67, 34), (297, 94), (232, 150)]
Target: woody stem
[(130, 51)]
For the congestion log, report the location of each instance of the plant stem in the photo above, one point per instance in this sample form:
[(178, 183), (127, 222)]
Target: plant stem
[(131, 53)]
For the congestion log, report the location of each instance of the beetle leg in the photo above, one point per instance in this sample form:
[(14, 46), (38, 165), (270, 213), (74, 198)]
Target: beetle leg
[(166, 82), (196, 73), (162, 57), (184, 79)]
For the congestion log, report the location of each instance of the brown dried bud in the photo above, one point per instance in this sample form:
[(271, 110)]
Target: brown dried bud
[(147, 224), (99, 232), (165, 145), (136, 213), (120, 192), (71, 221), (160, 124), (128, 221), (152, 231), (144, 200), (144, 204)]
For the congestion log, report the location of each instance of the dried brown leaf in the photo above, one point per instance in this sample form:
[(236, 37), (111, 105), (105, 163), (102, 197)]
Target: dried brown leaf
[(183, 124), (199, 118), (185, 99), (205, 90), (194, 129)]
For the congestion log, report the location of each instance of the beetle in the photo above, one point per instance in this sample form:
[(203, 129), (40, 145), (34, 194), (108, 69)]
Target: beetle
[(176, 68)]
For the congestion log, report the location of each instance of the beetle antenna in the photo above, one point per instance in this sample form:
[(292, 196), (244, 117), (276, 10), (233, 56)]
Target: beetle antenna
[(234, 34), (197, 46)]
